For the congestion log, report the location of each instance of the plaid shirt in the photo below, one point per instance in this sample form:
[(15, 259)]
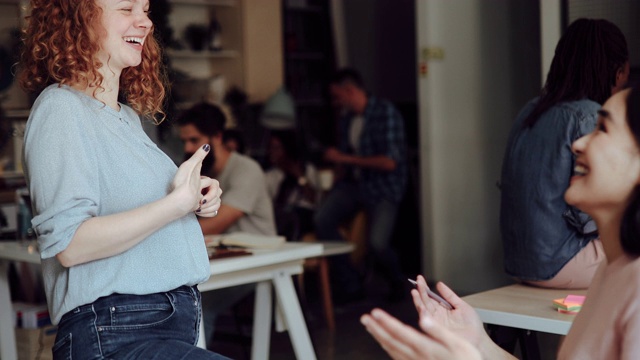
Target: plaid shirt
[(382, 134)]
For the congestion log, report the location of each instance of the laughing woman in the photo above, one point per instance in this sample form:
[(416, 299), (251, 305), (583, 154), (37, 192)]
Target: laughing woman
[(121, 248), (606, 185)]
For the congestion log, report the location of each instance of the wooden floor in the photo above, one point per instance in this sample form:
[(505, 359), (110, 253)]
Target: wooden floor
[(349, 341)]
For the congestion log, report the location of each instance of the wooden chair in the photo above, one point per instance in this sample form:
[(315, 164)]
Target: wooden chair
[(355, 233), (321, 266)]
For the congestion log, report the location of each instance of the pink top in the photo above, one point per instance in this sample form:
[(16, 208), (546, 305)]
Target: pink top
[(608, 326)]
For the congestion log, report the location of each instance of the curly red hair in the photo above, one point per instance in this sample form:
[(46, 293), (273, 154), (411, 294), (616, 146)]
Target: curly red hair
[(59, 47)]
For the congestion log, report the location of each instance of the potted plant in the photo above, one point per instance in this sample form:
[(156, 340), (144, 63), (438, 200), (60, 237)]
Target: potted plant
[(197, 36)]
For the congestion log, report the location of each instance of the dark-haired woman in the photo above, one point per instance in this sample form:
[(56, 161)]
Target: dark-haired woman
[(292, 186), (547, 242), (605, 185)]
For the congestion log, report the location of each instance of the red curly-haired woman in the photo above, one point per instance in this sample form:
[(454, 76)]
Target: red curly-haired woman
[(121, 248)]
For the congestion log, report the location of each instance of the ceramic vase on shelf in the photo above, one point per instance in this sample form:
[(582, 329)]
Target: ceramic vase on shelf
[(196, 35), (215, 35)]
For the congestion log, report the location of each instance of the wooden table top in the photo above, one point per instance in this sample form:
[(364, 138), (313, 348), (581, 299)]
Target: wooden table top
[(524, 307)]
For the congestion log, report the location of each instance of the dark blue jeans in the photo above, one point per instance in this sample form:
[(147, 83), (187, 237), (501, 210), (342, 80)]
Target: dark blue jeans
[(154, 326), (341, 205)]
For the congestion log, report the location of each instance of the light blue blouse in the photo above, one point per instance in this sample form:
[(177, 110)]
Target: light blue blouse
[(84, 159)]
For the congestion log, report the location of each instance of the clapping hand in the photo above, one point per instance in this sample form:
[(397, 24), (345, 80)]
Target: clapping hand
[(462, 320), (193, 191), (403, 342), (210, 202), (455, 333)]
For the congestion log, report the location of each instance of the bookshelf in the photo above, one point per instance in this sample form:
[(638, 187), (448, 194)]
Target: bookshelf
[(246, 56), (309, 63)]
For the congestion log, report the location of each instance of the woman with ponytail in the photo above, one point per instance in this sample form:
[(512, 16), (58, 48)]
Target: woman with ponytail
[(546, 241)]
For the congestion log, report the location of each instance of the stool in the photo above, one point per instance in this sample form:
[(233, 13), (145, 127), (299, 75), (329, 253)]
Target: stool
[(355, 232), (322, 264)]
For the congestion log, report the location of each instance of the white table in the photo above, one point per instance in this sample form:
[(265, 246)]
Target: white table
[(11, 251), (523, 307), (267, 267), (264, 267)]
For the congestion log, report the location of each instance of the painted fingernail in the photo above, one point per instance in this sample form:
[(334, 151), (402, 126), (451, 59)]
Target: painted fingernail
[(204, 201), (206, 147), (199, 209)]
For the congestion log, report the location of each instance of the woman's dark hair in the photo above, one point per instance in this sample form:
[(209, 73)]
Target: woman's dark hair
[(585, 65), (237, 136), (289, 143), (630, 228), (347, 75)]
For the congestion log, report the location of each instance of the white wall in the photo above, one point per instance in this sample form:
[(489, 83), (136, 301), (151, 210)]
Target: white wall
[(467, 102), (550, 30)]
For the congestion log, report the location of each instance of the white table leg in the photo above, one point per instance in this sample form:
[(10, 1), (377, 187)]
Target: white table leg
[(281, 326), (7, 333), (262, 321), (290, 307)]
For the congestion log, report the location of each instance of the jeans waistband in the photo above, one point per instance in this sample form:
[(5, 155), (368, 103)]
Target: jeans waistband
[(90, 307)]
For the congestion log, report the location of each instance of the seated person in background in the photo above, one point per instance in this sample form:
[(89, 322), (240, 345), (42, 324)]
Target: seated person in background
[(233, 140), (607, 187), (292, 185), (245, 207), (371, 175), (547, 242)]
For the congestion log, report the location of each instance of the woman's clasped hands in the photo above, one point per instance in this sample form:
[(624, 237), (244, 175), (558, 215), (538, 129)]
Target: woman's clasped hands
[(194, 192)]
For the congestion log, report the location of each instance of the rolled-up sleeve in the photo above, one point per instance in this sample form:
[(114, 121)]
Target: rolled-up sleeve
[(61, 169)]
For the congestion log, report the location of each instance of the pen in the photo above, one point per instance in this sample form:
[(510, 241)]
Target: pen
[(434, 296)]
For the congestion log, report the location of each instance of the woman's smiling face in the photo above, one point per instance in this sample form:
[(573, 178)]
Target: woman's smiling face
[(607, 165), (126, 25)]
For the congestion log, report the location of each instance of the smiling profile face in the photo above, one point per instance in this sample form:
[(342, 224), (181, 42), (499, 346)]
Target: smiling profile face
[(126, 25), (607, 166), (340, 95)]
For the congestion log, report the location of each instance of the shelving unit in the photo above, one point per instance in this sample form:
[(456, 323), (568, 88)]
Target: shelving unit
[(11, 17), (309, 63), (190, 54), (15, 112), (14, 101), (206, 2), (246, 33)]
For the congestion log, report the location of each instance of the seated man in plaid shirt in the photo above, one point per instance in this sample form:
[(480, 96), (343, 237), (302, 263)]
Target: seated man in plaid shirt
[(371, 175)]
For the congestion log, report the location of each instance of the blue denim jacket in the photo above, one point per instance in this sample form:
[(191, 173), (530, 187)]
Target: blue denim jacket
[(540, 231)]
